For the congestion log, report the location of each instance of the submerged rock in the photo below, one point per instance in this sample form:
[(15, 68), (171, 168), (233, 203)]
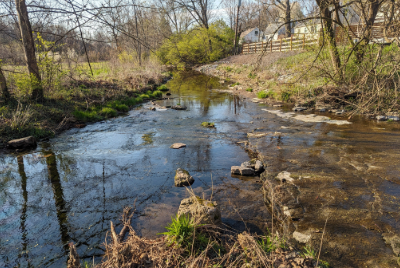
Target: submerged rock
[(202, 211), (381, 118), (24, 143), (179, 107), (393, 118), (299, 109), (178, 145), (248, 168), (183, 178), (259, 166)]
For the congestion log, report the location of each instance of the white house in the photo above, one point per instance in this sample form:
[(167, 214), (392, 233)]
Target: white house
[(250, 35), (310, 28), (275, 31)]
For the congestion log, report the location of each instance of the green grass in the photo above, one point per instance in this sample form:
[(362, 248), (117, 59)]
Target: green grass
[(144, 96), (180, 234), (235, 84), (108, 112), (208, 124), (265, 94), (157, 94), (163, 88), (117, 105), (249, 90), (87, 116), (252, 75)]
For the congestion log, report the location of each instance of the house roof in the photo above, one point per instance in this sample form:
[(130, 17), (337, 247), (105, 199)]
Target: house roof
[(247, 32), (275, 28)]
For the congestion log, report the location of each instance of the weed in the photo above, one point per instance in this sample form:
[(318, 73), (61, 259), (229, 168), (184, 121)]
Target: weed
[(157, 94), (117, 105), (228, 69), (144, 96), (181, 231), (249, 90), (208, 124), (252, 75), (235, 84)]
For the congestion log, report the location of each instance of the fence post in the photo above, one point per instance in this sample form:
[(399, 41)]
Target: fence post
[(248, 48), (280, 46), (271, 44), (304, 41), (255, 48), (291, 42)]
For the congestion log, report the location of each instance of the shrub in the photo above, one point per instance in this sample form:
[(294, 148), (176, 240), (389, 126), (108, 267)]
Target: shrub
[(193, 46), (157, 94), (144, 96), (117, 105), (265, 94), (163, 88)]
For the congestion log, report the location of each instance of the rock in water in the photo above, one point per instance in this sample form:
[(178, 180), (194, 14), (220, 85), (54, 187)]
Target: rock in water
[(178, 145), (299, 109), (202, 211), (381, 118), (301, 238), (24, 143), (259, 166), (235, 170), (179, 107), (183, 178), (246, 171)]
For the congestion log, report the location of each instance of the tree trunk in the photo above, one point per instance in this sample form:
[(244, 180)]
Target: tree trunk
[(236, 31), (373, 7), (288, 24), (29, 48), (5, 94), (330, 36)]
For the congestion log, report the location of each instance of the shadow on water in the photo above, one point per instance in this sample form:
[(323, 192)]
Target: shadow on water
[(56, 186), (21, 171)]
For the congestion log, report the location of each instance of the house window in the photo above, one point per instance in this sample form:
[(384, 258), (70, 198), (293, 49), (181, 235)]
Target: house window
[(256, 32)]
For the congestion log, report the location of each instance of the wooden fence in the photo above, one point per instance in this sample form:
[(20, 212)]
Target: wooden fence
[(297, 42)]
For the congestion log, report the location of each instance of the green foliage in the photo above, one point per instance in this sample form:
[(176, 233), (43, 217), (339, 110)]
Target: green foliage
[(163, 88), (269, 244), (228, 69), (108, 112), (249, 90), (157, 94), (208, 124), (87, 116), (235, 84), (117, 105), (265, 94), (144, 96), (197, 45), (181, 231), (308, 252)]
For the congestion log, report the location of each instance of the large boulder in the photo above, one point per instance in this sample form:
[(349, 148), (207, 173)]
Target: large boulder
[(183, 178), (24, 143), (202, 211)]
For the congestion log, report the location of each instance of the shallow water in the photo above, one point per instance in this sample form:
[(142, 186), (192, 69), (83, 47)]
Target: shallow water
[(71, 188), (68, 190)]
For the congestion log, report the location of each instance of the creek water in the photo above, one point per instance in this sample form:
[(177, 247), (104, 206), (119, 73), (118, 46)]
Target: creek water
[(68, 190)]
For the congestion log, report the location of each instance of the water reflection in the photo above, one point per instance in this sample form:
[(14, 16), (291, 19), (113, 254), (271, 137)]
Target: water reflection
[(21, 171), (56, 186)]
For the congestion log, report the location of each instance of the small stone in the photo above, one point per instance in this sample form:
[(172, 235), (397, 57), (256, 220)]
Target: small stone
[(259, 166), (152, 108), (299, 109), (168, 94), (178, 145), (323, 110), (246, 171), (24, 143), (301, 238), (183, 178), (235, 170), (340, 112), (381, 118), (179, 107)]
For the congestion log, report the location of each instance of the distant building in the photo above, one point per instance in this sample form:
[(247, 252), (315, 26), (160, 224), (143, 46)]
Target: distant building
[(275, 31), (250, 35)]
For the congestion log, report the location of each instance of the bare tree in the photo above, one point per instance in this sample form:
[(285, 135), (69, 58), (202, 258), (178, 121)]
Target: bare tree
[(3, 86), (29, 48)]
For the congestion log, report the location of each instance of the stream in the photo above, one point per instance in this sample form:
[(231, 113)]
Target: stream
[(69, 189)]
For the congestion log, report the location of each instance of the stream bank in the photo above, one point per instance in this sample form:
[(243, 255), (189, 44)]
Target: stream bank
[(69, 189)]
